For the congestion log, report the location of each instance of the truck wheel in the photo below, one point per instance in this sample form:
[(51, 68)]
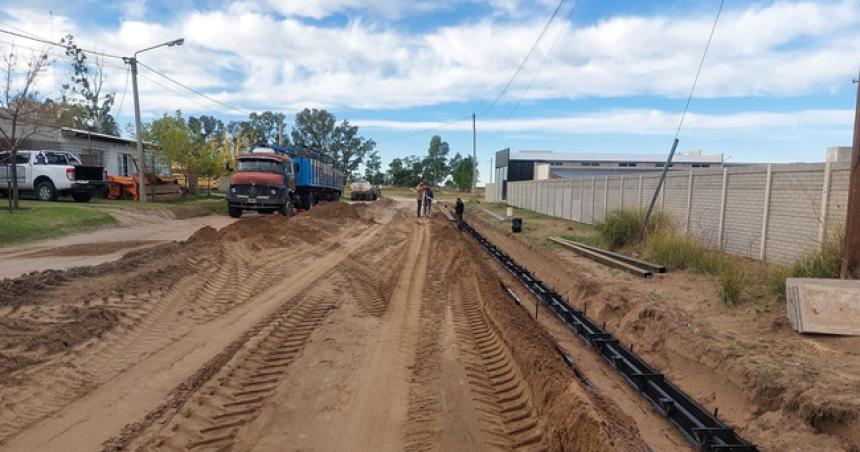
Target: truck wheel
[(286, 209), (234, 212), (82, 196), (309, 201), (46, 191)]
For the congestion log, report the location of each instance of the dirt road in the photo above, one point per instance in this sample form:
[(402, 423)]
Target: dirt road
[(351, 327), (138, 231)]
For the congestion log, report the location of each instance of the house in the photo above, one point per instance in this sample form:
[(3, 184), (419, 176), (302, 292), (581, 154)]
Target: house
[(115, 154)]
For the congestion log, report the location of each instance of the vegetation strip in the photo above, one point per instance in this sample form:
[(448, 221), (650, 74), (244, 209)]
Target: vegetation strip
[(699, 426)]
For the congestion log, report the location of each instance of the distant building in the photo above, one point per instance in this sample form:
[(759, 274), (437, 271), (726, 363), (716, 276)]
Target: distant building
[(538, 165)]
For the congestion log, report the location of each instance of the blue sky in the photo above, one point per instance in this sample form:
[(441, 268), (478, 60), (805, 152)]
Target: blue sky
[(776, 86)]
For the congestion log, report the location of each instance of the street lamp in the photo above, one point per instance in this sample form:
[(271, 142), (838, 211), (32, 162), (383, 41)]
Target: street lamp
[(132, 61)]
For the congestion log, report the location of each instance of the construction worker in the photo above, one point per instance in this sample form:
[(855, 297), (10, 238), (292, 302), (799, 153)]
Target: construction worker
[(419, 195), (459, 208), (428, 199)]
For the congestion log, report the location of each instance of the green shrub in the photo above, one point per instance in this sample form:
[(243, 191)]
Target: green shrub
[(622, 228), (731, 285), (824, 263)]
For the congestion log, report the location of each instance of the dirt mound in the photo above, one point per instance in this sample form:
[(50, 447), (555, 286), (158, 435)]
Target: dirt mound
[(90, 249), (336, 211)]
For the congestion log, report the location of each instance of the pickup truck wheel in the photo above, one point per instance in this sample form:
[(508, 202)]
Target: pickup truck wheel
[(46, 191), (82, 196), (234, 212)]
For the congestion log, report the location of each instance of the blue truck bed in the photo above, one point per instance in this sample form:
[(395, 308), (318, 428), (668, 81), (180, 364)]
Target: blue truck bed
[(319, 175)]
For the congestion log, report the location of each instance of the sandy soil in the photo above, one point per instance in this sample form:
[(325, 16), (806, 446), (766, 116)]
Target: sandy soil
[(350, 327), (779, 389), (139, 231)]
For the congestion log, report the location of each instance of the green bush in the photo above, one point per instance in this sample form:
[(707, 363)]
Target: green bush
[(732, 285), (824, 263), (622, 228)]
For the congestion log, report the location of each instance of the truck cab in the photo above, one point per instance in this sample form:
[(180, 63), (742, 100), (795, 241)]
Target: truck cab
[(264, 182)]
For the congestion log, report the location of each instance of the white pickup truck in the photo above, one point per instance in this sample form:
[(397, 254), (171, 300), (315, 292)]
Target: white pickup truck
[(52, 173)]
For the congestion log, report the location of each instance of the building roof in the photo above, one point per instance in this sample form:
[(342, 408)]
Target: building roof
[(98, 136), (680, 157)]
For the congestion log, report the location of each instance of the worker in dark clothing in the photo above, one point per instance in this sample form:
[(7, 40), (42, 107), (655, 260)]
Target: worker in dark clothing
[(459, 208), (428, 200)]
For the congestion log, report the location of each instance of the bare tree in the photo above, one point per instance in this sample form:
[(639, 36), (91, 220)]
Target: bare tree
[(20, 109)]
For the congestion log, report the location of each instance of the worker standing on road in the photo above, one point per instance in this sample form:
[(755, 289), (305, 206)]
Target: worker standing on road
[(419, 195), (428, 199), (459, 208)]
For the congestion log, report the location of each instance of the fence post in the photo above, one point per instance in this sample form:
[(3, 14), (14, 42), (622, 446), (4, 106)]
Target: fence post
[(825, 205), (722, 209), (622, 192), (766, 213), (639, 206), (592, 199), (581, 199), (605, 196), (570, 204), (689, 203)]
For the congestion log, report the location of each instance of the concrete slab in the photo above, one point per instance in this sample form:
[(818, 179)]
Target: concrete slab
[(827, 306)]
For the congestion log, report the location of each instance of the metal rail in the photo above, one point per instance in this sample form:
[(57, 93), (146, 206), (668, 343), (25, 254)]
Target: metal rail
[(655, 268), (697, 424)]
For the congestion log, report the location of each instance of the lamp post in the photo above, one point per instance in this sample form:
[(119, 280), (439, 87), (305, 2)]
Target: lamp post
[(141, 166)]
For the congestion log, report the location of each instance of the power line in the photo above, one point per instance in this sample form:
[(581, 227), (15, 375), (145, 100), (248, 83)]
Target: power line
[(57, 44), (122, 97), (543, 62), (211, 99), (503, 90), (185, 96), (523, 62), (699, 70)]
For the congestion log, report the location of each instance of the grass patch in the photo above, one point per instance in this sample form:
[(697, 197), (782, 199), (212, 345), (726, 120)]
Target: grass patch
[(48, 220), (623, 228), (824, 263), (591, 240)]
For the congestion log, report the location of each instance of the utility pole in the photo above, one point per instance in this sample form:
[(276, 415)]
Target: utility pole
[(491, 170), (280, 133), (474, 158), (141, 166), (851, 251)]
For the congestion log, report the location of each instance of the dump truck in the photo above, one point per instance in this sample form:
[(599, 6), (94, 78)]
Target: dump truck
[(362, 190), (264, 182), (280, 178)]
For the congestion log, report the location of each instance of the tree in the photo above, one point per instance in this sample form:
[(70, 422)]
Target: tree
[(86, 91), (318, 129), (314, 129), (348, 148), (405, 172), (19, 106), (265, 127), (206, 133), (373, 168), (461, 174), (436, 162)]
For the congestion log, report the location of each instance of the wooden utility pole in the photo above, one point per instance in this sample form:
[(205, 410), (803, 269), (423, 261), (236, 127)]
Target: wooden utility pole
[(851, 252), (474, 158)]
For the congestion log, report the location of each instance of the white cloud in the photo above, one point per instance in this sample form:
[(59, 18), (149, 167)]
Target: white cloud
[(638, 122), (251, 57)]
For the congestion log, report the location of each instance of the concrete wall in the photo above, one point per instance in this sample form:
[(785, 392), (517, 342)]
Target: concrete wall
[(491, 193), (776, 212)]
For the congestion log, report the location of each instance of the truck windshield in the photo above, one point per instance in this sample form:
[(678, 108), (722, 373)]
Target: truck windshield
[(258, 166)]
